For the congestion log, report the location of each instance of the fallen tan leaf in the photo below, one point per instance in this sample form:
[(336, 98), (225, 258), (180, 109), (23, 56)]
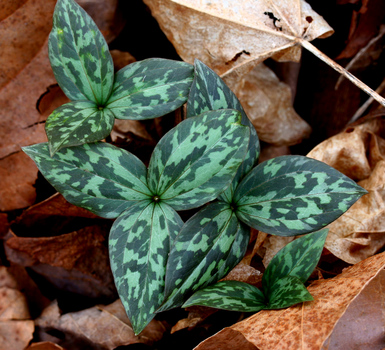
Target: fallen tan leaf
[(13, 305), (303, 326), (107, 326), (244, 33), (46, 345), (15, 335), (362, 325), (267, 103), (358, 152)]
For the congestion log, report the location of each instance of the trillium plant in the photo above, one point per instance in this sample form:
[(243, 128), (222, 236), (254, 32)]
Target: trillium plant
[(208, 161)]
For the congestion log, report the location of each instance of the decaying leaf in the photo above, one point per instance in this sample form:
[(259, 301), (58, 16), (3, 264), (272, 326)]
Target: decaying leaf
[(267, 103), (107, 326), (45, 345), (303, 326), (358, 152), (362, 325), (15, 327), (231, 35), (77, 261)]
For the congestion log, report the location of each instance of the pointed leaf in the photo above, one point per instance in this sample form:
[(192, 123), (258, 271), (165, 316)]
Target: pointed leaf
[(194, 162), (150, 88), (139, 246), (287, 292), (292, 195), (76, 123), (99, 177), (203, 252), (209, 92), (79, 55), (297, 259), (229, 295)]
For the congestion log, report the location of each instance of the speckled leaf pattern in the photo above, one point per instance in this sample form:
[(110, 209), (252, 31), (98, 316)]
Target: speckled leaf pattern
[(287, 292), (150, 88), (79, 55), (195, 161), (99, 177), (208, 246), (76, 123), (139, 245), (292, 195), (209, 92), (229, 295), (297, 259)]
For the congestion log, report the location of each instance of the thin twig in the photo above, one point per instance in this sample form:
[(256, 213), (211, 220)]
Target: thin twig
[(364, 107), (342, 71)]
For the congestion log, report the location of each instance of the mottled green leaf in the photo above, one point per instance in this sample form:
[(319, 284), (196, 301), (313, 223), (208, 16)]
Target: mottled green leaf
[(150, 88), (139, 245), (76, 123), (195, 161), (229, 295), (208, 246), (99, 177), (209, 92), (292, 195), (297, 259), (79, 55), (286, 292)]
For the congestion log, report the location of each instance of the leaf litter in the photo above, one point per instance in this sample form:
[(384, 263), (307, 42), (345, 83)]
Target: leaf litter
[(362, 142)]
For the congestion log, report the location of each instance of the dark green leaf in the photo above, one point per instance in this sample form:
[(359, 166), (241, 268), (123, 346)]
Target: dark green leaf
[(229, 295), (208, 246), (99, 177), (209, 92), (292, 195), (79, 55), (139, 245), (297, 259), (76, 123), (195, 161), (287, 292), (150, 88)]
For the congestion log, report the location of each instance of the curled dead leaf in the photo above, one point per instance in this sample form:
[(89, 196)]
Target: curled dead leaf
[(302, 326), (358, 152), (267, 103), (106, 326)]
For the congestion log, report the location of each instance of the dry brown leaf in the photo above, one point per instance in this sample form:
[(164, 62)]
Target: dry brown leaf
[(267, 103), (77, 262), (15, 335), (273, 244), (13, 305), (45, 345), (107, 326), (358, 152), (303, 326), (229, 35), (362, 325), (15, 327)]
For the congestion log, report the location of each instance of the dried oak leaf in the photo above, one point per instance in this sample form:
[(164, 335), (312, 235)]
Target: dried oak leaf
[(267, 103), (302, 326), (107, 326), (237, 35), (358, 152)]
